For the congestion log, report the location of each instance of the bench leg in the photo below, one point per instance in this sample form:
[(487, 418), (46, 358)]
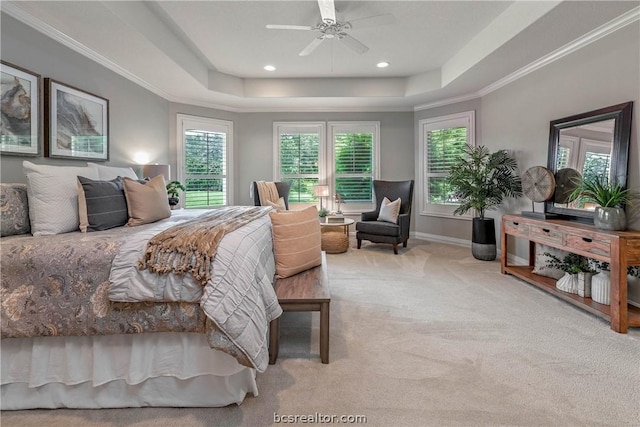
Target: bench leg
[(324, 332), (274, 338)]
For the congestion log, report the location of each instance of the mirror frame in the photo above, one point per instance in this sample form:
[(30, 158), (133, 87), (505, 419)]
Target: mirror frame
[(619, 152)]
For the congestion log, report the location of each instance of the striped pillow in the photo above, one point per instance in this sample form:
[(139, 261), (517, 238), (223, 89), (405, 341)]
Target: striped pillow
[(296, 241), (101, 204)]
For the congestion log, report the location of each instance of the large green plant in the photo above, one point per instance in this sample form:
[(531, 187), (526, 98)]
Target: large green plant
[(482, 179), (599, 190)]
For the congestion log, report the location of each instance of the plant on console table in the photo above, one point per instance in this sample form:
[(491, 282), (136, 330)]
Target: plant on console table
[(601, 282), (481, 181), (578, 273), (172, 191), (611, 197)]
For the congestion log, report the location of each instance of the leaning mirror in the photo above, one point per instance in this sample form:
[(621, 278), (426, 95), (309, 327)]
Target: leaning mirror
[(587, 144)]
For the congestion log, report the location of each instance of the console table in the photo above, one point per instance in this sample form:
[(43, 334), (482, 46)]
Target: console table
[(619, 248)]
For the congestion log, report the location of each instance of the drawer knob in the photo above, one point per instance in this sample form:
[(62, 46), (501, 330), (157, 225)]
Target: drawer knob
[(546, 230), (516, 223), (588, 240)]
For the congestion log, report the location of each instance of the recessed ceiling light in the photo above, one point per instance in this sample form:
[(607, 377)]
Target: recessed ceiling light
[(382, 64), (269, 68)]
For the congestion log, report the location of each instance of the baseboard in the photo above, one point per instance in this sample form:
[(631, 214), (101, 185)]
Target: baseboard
[(441, 239)]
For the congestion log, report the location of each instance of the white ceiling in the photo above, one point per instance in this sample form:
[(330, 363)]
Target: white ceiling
[(212, 53)]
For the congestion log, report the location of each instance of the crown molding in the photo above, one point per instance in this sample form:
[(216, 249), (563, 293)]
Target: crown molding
[(447, 101), (604, 30), (14, 11), (594, 35)]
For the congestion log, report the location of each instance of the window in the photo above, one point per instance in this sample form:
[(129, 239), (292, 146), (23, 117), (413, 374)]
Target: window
[(205, 148), (442, 141), (347, 161), (354, 162), (299, 154)]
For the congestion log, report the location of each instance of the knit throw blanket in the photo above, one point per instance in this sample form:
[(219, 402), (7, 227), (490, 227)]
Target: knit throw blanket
[(268, 192), (190, 247)]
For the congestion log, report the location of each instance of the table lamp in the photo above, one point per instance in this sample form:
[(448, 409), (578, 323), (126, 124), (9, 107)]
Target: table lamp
[(321, 191)]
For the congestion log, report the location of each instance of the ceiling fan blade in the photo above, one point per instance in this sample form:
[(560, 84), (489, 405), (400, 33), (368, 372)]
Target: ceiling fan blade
[(327, 10), (289, 27), (353, 44), (373, 21), (311, 47)]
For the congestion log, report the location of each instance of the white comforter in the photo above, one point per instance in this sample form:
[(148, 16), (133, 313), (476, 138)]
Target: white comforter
[(239, 298)]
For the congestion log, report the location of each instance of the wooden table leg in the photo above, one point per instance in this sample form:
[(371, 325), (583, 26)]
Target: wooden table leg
[(274, 338), (324, 332)]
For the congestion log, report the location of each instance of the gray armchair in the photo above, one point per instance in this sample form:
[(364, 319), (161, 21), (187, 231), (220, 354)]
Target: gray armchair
[(283, 191), (369, 228)]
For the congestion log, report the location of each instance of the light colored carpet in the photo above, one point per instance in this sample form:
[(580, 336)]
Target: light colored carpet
[(428, 337)]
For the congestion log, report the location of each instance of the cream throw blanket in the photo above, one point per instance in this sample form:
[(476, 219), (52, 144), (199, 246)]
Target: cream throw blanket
[(191, 246), (267, 191)]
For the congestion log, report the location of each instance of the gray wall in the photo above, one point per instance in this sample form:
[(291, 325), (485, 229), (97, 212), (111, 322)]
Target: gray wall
[(454, 228), (138, 119), (253, 142), (517, 116)]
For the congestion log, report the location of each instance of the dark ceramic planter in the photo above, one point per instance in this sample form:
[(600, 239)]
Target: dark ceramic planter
[(483, 239)]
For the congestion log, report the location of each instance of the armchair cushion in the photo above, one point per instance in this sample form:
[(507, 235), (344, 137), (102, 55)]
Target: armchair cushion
[(379, 228)]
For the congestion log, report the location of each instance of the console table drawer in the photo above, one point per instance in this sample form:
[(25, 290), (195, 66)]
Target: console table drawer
[(516, 228), (589, 244), (546, 234)]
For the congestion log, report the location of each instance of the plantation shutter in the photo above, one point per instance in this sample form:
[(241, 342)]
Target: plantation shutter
[(300, 154), (354, 166), (442, 143), (205, 168)]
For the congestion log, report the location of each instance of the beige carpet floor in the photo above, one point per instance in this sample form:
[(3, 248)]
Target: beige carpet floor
[(431, 337)]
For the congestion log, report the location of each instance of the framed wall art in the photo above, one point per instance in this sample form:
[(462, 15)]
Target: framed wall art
[(20, 130), (76, 123)]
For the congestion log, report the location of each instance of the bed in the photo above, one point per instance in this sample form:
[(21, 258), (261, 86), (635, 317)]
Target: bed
[(70, 339)]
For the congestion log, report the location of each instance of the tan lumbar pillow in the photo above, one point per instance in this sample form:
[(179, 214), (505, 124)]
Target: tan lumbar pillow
[(296, 241), (389, 210), (146, 202)]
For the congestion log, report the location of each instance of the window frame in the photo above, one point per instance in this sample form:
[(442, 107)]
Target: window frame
[(467, 119), (352, 127), (185, 122), (282, 127)]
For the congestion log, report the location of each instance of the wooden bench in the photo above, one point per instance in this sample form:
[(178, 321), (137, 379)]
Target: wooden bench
[(306, 291)]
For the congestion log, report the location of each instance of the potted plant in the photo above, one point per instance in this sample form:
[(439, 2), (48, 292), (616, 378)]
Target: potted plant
[(481, 181), (172, 192), (611, 197), (578, 273), (322, 213)]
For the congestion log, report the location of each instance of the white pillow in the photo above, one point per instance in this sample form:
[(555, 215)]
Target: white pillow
[(389, 210), (107, 173), (279, 205), (53, 197)]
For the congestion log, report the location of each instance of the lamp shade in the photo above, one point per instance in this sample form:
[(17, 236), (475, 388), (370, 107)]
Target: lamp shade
[(155, 170), (321, 190)]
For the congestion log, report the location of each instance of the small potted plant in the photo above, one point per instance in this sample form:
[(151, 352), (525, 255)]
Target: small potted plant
[(578, 273), (172, 191), (610, 198), (322, 213), (482, 180)]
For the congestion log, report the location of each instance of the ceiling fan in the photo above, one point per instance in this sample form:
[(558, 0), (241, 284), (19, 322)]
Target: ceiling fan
[(330, 28)]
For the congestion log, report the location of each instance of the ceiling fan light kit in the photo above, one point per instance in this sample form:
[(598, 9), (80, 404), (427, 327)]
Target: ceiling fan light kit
[(330, 28)]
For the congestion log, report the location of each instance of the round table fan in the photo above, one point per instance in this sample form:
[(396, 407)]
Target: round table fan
[(538, 184), (566, 181)]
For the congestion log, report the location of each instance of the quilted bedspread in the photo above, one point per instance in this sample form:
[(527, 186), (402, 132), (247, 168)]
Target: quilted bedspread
[(59, 286)]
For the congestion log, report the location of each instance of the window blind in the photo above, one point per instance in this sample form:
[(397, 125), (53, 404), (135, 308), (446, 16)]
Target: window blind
[(444, 148), (353, 168), (205, 168), (299, 164)]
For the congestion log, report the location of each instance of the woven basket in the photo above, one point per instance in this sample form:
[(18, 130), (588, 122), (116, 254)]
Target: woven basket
[(334, 242)]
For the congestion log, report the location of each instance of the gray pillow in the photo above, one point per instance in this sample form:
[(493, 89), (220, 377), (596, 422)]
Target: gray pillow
[(105, 202), (14, 210), (540, 266)]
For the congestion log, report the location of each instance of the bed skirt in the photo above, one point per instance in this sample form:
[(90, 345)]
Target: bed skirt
[(118, 371)]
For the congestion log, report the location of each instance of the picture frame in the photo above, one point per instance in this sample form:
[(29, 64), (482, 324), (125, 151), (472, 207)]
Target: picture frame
[(21, 130), (76, 123)]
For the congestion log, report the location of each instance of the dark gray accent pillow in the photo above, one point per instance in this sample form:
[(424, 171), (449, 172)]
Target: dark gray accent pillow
[(106, 203)]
